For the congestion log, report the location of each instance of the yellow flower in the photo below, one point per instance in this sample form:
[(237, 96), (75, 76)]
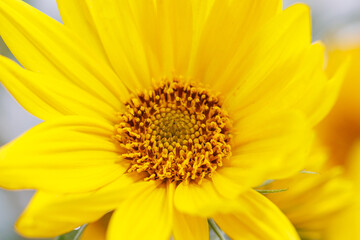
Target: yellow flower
[(341, 131), (167, 112), (341, 128), (313, 198)]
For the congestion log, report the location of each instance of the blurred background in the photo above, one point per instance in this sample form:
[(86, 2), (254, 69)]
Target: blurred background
[(334, 22)]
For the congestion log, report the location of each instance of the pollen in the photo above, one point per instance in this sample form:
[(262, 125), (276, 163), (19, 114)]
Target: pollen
[(176, 132)]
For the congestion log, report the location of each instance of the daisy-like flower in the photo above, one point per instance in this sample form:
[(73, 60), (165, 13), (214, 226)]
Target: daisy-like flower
[(165, 112), (340, 130)]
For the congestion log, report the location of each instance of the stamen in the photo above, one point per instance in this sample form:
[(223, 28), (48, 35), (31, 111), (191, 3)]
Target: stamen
[(176, 132)]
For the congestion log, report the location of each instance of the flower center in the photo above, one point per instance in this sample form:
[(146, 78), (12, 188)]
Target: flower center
[(175, 132)]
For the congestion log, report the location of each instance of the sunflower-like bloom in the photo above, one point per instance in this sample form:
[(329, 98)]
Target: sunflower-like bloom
[(165, 112), (313, 198), (340, 130)]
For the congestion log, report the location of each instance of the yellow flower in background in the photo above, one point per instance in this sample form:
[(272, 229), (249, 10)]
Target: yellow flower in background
[(340, 130), (313, 198), (167, 112)]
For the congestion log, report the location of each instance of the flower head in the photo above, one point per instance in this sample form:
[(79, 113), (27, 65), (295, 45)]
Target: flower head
[(340, 130), (176, 132), (167, 112)]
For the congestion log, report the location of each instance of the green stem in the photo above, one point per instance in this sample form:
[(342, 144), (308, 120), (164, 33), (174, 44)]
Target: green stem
[(267, 191), (74, 235), (80, 232), (216, 229)]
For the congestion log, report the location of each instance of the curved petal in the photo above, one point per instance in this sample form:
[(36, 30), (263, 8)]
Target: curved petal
[(281, 86), (76, 16), (230, 182), (256, 218), (68, 154), (157, 38), (145, 215), (229, 26), (97, 230), (116, 25), (188, 227), (264, 146), (50, 215), (46, 96), (312, 200), (267, 147), (299, 83), (326, 97), (346, 223), (152, 39), (200, 200), (259, 61), (41, 44)]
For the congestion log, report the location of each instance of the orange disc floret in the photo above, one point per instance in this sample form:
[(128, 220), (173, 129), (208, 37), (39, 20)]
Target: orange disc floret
[(175, 132)]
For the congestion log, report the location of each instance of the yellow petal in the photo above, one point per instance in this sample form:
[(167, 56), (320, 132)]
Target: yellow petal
[(327, 95), (170, 29), (256, 218), (68, 154), (188, 227), (117, 26), (201, 200), (312, 200), (345, 225), (41, 44), (299, 83), (175, 31), (147, 215), (76, 16), (290, 84), (273, 44), (170, 33), (343, 121), (268, 147), (96, 230), (46, 96), (229, 24), (50, 214), (230, 186)]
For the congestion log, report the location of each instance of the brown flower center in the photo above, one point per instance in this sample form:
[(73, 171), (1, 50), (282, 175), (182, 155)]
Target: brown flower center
[(176, 132)]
